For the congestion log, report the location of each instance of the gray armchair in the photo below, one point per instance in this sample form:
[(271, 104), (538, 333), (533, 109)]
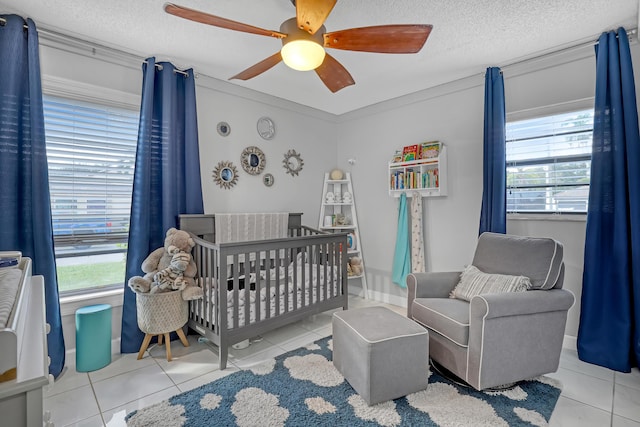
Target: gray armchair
[(499, 338)]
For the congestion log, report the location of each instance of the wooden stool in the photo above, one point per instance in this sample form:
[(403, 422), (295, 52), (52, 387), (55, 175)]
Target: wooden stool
[(159, 315), (147, 340)]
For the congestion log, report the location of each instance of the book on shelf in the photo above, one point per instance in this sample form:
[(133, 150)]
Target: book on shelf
[(430, 179), (397, 157), (410, 152), (424, 151), (411, 179), (429, 150), (398, 180)]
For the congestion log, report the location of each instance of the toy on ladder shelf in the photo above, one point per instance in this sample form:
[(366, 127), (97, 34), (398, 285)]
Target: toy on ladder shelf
[(338, 214)]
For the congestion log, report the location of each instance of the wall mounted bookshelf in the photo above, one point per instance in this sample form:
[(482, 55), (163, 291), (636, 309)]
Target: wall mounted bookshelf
[(427, 176)]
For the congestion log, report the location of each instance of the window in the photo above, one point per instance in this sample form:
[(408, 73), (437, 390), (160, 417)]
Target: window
[(91, 152), (549, 163)]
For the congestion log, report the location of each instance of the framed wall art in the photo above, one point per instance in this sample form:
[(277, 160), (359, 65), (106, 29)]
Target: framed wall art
[(252, 160), (292, 162), (225, 175)]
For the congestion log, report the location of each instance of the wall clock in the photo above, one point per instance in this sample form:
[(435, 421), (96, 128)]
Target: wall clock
[(266, 128)]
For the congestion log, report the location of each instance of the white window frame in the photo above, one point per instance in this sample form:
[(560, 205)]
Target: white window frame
[(64, 88), (549, 110)]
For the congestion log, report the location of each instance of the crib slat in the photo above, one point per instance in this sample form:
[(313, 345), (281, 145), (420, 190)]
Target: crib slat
[(258, 267), (214, 286), (304, 286), (294, 295), (287, 277), (217, 290), (268, 287), (222, 306), (317, 281), (247, 288), (236, 294), (277, 285)]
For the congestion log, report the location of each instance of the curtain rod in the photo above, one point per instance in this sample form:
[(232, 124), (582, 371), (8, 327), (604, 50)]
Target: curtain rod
[(630, 34), (3, 22), (175, 70)]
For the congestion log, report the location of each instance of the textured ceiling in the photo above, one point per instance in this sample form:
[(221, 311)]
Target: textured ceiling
[(467, 37)]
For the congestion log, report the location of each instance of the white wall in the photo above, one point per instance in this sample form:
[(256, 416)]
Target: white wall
[(451, 223), (310, 133)]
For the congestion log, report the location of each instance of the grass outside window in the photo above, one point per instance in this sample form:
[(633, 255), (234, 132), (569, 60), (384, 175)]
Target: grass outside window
[(90, 272)]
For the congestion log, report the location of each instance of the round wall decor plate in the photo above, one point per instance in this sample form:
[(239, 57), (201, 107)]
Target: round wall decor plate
[(266, 128), (223, 128)]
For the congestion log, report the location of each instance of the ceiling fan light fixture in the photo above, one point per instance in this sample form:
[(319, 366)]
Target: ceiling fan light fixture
[(300, 50), (303, 55)]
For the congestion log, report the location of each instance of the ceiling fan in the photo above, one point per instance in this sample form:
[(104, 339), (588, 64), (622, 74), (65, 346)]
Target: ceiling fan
[(304, 39)]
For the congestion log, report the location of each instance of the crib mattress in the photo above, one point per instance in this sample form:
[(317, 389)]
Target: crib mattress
[(305, 292)]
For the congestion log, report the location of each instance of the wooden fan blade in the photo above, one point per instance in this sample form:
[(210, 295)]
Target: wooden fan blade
[(258, 68), (311, 14), (205, 18), (333, 74), (380, 39)]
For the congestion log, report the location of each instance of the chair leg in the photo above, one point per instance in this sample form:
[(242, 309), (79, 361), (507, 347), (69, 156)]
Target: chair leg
[(182, 337), (168, 342), (145, 344), (160, 339)]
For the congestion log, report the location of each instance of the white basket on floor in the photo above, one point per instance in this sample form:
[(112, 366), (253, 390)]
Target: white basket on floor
[(161, 313)]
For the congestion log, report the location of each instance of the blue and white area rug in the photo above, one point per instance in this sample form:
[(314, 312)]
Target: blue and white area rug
[(302, 388)]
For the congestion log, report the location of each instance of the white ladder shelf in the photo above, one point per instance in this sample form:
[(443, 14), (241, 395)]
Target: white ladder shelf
[(332, 209)]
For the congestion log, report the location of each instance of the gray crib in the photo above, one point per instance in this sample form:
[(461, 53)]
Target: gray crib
[(262, 285)]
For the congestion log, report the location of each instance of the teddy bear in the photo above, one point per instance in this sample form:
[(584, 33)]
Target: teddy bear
[(161, 258), (356, 265), (172, 278)]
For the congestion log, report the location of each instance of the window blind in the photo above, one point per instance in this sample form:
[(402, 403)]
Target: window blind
[(549, 163), (91, 155)]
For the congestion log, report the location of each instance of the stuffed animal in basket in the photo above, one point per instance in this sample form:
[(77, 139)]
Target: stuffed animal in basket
[(172, 278), (161, 258)]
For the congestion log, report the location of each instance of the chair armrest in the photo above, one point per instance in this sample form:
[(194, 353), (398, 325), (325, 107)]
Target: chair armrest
[(489, 306), (515, 335), (430, 285)]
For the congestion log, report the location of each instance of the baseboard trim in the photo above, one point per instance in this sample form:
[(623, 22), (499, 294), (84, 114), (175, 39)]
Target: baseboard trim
[(398, 300), (570, 342)]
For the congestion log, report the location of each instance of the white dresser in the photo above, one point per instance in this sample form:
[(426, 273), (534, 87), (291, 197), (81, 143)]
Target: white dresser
[(21, 399)]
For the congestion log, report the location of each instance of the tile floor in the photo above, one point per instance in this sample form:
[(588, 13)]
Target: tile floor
[(592, 396)]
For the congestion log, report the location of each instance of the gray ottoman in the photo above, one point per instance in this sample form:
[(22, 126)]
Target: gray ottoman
[(382, 354)]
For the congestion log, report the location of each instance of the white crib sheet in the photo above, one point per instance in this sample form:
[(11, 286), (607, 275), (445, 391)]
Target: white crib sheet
[(277, 293)]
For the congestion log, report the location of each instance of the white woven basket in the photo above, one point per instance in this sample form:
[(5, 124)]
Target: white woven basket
[(161, 313)]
